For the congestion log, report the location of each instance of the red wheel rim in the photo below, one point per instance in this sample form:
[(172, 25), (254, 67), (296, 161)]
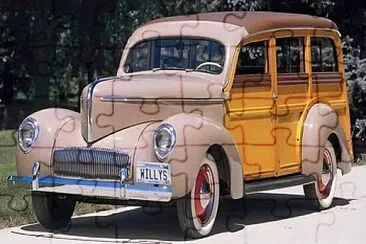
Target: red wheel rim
[(204, 193), (326, 179)]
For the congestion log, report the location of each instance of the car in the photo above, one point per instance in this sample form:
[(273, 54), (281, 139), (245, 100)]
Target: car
[(202, 106)]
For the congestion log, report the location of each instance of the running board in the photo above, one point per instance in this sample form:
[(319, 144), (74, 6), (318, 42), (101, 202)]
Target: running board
[(276, 183)]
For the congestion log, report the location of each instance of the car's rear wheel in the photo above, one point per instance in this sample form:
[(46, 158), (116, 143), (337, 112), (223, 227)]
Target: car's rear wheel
[(52, 211), (321, 192), (198, 209)]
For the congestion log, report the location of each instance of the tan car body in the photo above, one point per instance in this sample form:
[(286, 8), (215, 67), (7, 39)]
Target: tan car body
[(122, 113)]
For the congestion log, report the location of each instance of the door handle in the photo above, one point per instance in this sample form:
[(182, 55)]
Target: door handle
[(274, 96)]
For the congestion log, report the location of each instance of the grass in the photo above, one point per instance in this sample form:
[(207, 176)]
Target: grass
[(15, 202)]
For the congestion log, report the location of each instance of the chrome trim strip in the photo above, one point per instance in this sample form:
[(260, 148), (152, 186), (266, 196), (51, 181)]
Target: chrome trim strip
[(173, 100), (109, 189), (89, 101)]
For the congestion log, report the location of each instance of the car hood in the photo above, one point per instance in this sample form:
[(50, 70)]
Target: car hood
[(112, 104)]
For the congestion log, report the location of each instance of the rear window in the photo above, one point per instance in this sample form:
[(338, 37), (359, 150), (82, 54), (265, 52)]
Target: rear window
[(290, 55), (323, 55)]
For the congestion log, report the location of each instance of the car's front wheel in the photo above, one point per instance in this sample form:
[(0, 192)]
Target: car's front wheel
[(198, 209), (321, 192), (52, 211)]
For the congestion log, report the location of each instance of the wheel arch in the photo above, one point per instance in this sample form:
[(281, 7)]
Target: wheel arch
[(333, 138), (219, 156)]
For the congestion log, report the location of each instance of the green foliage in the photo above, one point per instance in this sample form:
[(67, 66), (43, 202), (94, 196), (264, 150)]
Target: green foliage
[(321, 7), (12, 66), (355, 69), (248, 5), (82, 39), (14, 202)]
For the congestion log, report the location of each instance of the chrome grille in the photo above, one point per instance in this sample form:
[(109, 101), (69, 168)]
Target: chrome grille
[(89, 163)]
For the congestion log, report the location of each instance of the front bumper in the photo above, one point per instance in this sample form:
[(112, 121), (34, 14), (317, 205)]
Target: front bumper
[(94, 188)]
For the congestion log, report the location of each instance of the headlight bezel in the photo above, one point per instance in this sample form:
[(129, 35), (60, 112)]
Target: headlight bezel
[(35, 126), (160, 154)]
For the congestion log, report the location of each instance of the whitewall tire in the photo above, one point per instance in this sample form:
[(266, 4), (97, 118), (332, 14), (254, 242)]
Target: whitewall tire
[(198, 209), (321, 192)]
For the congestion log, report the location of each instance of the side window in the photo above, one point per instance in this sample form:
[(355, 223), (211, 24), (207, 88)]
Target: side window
[(139, 58), (323, 55), (253, 59), (290, 55)]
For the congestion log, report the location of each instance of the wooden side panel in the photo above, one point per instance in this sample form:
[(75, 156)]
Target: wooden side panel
[(327, 77), (265, 112), (329, 86), (292, 90), (245, 81), (249, 118)]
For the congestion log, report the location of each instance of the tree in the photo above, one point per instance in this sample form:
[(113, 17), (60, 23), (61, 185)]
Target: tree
[(14, 75), (355, 69)]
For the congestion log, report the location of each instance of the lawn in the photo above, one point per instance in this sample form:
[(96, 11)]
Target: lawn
[(15, 202)]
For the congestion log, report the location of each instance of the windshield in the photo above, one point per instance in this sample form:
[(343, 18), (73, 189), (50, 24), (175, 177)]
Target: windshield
[(176, 53)]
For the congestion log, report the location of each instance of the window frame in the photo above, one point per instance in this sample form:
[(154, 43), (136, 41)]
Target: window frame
[(151, 52), (335, 54), (302, 60), (271, 36), (266, 57)]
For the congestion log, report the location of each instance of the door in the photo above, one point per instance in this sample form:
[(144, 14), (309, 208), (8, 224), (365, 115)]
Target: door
[(292, 97), (250, 109)]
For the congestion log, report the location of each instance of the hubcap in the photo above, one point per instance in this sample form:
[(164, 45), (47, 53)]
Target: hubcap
[(326, 180), (204, 193)]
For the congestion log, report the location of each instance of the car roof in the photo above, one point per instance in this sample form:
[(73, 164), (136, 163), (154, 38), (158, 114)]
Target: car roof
[(256, 21)]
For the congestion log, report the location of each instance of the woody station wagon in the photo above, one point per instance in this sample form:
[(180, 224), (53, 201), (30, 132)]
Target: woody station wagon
[(202, 106)]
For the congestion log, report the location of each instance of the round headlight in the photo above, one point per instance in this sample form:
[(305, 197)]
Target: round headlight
[(164, 141), (27, 134)]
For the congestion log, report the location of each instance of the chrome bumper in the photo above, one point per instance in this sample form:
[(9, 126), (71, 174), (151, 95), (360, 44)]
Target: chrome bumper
[(94, 188)]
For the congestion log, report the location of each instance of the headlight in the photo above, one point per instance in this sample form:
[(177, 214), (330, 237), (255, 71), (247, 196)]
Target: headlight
[(27, 134), (164, 141)]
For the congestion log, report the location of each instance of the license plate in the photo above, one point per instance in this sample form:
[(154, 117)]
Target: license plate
[(153, 173)]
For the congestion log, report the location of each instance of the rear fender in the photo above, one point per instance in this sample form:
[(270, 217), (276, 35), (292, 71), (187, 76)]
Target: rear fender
[(322, 121)]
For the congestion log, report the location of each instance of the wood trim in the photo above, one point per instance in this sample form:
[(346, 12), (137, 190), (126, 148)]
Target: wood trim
[(292, 79), (247, 113), (257, 80), (299, 107), (327, 77), (308, 63)]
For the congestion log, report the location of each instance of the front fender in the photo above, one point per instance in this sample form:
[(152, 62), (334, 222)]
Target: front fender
[(50, 121), (195, 134)]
